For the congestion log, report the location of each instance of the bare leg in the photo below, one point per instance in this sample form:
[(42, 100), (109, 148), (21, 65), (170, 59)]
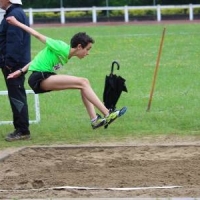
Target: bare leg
[(89, 106), (90, 99)]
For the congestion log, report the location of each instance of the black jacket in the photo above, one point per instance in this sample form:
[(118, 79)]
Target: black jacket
[(14, 42)]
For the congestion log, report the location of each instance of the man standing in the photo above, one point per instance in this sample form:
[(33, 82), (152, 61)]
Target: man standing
[(14, 54)]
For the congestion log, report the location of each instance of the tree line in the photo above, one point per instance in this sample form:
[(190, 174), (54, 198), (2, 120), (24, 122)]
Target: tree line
[(90, 3)]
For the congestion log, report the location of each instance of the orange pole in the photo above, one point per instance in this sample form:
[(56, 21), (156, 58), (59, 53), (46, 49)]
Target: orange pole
[(156, 70)]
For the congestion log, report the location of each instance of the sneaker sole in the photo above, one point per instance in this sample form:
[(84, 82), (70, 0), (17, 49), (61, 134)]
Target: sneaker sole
[(121, 112), (100, 125), (16, 139)]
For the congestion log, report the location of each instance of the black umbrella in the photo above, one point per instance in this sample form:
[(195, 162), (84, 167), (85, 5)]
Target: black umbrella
[(114, 85)]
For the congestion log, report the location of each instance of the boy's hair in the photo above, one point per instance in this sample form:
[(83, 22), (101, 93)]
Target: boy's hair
[(81, 38)]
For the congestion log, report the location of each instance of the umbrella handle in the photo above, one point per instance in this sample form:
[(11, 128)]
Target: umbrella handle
[(112, 67)]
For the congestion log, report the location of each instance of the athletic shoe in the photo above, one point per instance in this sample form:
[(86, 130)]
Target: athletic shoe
[(98, 122), (122, 111), (114, 115), (17, 135)]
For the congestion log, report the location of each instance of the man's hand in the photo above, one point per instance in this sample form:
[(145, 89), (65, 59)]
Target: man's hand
[(14, 74), (12, 20)]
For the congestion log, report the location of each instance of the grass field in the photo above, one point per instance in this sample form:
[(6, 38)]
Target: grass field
[(175, 105)]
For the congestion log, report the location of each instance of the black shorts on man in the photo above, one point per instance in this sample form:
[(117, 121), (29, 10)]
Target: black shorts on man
[(35, 80)]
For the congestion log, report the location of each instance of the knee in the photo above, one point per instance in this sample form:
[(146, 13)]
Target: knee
[(85, 82)]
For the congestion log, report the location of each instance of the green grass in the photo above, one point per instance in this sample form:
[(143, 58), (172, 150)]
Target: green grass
[(176, 100)]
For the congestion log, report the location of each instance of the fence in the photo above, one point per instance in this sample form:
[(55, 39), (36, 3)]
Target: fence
[(125, 9), (36, 107)]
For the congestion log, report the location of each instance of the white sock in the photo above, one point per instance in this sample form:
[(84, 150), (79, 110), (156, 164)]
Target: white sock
[(94, 119)]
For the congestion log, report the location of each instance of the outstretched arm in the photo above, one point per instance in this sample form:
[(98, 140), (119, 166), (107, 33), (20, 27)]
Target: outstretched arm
[(19, 72), (12, 20)]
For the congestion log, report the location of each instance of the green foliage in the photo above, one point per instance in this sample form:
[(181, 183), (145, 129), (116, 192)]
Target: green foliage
[(78, 14), (137, 12), (196, 11), (47, 15), (174, 11), (132, 12), (150, 12), (117, 13)]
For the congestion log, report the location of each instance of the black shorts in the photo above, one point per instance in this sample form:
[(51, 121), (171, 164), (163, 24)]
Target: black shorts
[(36, 78)]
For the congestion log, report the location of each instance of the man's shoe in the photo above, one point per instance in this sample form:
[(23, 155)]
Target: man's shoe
[(98, 122), (17, 135), (114, 115)]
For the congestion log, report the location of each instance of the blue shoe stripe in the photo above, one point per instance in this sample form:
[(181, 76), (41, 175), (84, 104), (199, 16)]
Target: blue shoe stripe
[(122, 111)]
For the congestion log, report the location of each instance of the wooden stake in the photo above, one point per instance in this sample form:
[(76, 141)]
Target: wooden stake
[(156, 70)]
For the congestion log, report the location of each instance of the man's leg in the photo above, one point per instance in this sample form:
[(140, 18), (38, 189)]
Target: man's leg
[(62, 82), (90, 99), (18, 103)]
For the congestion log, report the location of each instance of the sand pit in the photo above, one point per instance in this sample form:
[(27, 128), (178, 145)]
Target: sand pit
[(37, 172)]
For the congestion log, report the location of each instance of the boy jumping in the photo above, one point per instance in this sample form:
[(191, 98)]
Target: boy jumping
[(44, 79)]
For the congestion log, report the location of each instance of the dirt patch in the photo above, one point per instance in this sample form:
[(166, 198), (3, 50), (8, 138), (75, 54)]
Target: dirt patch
[(32, 172)]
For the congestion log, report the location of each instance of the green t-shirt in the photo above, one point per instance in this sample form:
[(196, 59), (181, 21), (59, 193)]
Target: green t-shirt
[(54, 54)]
